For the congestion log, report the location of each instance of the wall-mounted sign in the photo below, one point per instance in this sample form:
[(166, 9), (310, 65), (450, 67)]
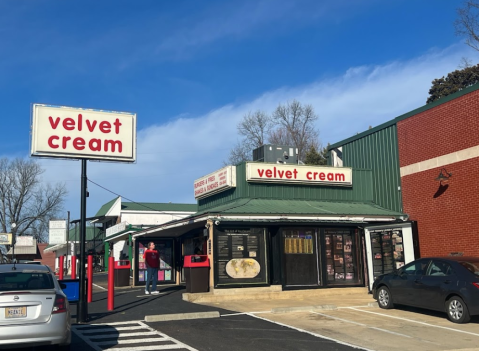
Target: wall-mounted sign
[(311, 175), (116, 229), (24, 240), (215, 182), (68, 132), (5, 238), (57, 230)]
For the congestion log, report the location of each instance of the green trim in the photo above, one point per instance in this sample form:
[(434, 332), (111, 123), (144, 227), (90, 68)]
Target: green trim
[(426, 107), (129, 228), (106, 207)]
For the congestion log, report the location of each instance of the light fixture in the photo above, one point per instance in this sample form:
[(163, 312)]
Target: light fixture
[(443, 176)]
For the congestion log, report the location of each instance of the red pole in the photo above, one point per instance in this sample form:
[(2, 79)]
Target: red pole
[(111, 283), (61, 265), (74, 267), (90, 278)]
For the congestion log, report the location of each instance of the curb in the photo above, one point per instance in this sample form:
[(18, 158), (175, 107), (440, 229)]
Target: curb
[(181, 316), (303, 308)]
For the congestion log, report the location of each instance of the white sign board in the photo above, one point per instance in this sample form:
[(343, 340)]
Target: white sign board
[(68, 132), (5, 238), (215, 182), (287, 173), (24, 241), (116, 229), (57, 230)]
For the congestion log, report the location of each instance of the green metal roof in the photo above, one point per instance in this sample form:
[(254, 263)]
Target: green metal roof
[(91, 233), (105, 208), (165, 207), (245, 206), (407, 115)]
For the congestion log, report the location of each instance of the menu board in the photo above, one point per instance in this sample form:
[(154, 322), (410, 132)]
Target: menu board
[(240, 256), (387, 250), (298, 242), (341, 256)]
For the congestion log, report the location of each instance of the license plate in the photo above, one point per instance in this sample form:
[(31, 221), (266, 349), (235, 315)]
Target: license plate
[(15, 312)]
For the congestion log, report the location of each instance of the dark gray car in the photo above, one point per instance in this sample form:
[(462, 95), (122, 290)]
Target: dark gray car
[(446, 284)]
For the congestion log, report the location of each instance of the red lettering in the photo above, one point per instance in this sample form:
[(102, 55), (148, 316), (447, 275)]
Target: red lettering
[(322, 176), (97, 146), (50, 141), (54, 124), (105, 127), (289, 174), (79, 143), (274, 172), (91, 126), (80, 117), (64, 143), (308, 175), (340, 177), (69, 123), (295, 173), (280, 173), (261, 172), (330, 176), (117, 125), (269, 173), (112, 143)]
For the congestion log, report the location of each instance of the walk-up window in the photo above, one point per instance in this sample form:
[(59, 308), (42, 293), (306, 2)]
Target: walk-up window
[(300, 257), (342, 256), (166, 271)]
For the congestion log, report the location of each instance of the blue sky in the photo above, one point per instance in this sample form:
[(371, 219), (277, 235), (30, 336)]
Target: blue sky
[(192, 69)]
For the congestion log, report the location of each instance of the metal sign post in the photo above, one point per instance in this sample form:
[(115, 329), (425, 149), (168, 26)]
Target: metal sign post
[(82, 307)]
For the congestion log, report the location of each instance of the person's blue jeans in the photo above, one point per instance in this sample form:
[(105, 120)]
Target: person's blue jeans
[(151, 276)]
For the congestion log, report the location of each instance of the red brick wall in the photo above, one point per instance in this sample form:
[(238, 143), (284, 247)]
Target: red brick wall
[(448, 220), (48, 258), (444, 129)]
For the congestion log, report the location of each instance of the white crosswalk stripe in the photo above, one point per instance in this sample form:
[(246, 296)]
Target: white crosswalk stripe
[(126, 336)]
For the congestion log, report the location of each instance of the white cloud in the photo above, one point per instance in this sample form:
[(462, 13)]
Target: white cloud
[(172, 155)]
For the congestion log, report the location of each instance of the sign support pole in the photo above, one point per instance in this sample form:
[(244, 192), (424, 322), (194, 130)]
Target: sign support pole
[(82, 307)]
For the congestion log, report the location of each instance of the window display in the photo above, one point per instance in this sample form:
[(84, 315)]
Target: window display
[(298, 242), (165, 271), (341, 260), (387, 250)]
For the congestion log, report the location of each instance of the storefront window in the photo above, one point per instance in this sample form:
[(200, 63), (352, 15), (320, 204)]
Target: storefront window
[(387, 250), (298, 241), (341, 256), (165, 271)]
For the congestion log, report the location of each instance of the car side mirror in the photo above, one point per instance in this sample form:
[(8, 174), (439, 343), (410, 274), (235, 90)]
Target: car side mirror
[(63, 286)]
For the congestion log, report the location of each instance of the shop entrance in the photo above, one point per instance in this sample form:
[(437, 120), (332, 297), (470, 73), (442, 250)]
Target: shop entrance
[(300, 257)]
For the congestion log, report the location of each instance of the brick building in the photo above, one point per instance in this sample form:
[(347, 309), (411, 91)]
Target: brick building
[(407, 155)]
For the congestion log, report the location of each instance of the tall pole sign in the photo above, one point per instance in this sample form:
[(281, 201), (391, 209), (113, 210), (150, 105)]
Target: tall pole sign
[(85, 134)]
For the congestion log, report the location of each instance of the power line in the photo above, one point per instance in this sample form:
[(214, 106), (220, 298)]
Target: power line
[(140, 204)]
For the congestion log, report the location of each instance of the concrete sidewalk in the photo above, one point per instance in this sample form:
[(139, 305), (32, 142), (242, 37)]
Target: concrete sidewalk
[(272, 299)]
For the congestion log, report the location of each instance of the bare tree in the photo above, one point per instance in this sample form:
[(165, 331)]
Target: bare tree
[(25, 201), (467, 23), (298, 120)]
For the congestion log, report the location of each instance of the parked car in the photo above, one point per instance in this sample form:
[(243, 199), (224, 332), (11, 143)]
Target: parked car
[(443, 284), (34, 311)]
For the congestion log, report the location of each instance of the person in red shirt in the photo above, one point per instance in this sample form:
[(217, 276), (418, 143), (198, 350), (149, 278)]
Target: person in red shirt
[(152, 262)]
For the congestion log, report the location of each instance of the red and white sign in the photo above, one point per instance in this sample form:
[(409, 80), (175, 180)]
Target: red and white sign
[(69, 132), (215, 182), (312, 175)]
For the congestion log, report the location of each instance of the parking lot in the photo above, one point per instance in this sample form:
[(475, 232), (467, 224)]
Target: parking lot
[(376, 329)]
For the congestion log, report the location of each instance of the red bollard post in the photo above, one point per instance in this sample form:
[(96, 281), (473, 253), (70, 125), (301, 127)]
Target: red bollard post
[(74, 267), (61, 264), (90, 279), (111, 283)]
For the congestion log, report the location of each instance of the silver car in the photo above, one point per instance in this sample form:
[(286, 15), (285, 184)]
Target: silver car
[(34, 311)]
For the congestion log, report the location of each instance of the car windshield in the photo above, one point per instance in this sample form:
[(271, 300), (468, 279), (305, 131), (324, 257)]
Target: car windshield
[(471, 265), (25, 281)]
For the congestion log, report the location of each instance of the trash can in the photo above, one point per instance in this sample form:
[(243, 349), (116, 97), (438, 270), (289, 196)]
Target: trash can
[(122, 273), (197, 273)]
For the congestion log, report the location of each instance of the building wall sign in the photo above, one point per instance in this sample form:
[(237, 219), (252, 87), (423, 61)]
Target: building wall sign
[(215, 182), (115, 229), (311, 175), (68, 132), (24, 240)]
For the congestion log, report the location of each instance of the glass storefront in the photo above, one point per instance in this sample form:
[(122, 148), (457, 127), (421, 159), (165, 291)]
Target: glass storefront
[(342, 256), (166, 271)]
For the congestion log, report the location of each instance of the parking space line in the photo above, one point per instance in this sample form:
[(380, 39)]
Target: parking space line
[(99, 286), (361, 324), (311, 333), (413, 321)]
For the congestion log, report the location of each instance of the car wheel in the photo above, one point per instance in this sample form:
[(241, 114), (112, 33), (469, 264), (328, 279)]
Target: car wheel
[(384, 298), (457, 311)]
